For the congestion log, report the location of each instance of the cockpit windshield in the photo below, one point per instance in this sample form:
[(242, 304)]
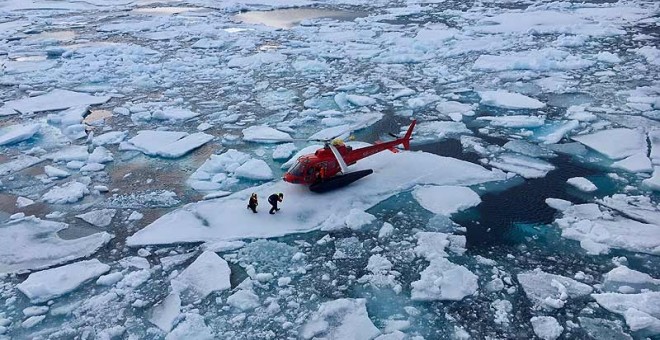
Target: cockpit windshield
[(297, 169)]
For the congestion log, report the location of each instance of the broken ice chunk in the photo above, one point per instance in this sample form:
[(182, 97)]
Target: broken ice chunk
[(67, 193), (546, 327), (340, 319), (265, 134), (446, 200), (509, 100), (550, 290), (582, 184), (31, 243), (615, 143), (51, 283), (18, 133), (100, 218), (168, 144), (208, 273)]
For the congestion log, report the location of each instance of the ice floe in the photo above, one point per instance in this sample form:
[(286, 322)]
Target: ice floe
[(100, 218), (54, 100), (446, 200), (208, 273), (69, 192), (31, 243), (52, 283), (582, 184), (168, 144), (18, 133), (546, 327), (551, 291), (265, 134), (340, 319), (509, 100), (185, 225), (615, 143)]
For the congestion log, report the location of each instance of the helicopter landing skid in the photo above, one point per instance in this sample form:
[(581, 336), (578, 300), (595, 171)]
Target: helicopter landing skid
[(339, 181)]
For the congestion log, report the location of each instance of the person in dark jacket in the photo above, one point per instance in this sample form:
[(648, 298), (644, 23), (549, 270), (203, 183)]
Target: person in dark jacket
[(273, 200), (254, 202)]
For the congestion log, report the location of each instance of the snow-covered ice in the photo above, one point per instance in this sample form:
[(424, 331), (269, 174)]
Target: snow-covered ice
[(431, 169), (208, 273), (32, 243), (582, 183), (615, 143), (509, 100), (546, 327), (168, 144), (551, 291), (340, 319), (446, 200), (18, 133), (51, 283)]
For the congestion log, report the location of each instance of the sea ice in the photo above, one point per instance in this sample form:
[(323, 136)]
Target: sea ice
[(635, 163), (284, 151), (165, 313), (598, 231), (18, 133), (446, 200), (254, 169), (549, 290), (100, 218), (54, 100), (243, 300), (51, 283), (546, 327), (509, 100), (524, 166), (112, 137), (67, 193), (52, 171), (208, 273), (641, 311), (192, 327), (168, 144), (221, 221), (31, 243), (340, 319), (19, 163), (265, 134), (176, 114), (615, 143), (582, 184), (616, 279), (515, 121)]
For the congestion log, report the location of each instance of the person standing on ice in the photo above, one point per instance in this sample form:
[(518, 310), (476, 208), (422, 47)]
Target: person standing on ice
[(273, 199), (253, 203)]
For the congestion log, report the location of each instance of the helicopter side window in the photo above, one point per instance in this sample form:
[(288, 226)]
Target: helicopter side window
[(310, 171), (296, 169)]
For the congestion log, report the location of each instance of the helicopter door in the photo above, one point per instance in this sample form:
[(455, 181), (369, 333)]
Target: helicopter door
[(311, 174)]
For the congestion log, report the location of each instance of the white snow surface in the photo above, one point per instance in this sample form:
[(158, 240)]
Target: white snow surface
[(255, 169), (446, 200), (222, 222), (517, 121), (635, 163), (598, 231), (31, 243), (546, 327), (551, 291), (52, 283), (265, 134), (582, 184), (100, 218), (168, 144), (69, 192), (509, 100), (18, 133), (208, 273), (641, 311), (340, 319), (54, 100), (192, 327), (165, 313), (615, 143)]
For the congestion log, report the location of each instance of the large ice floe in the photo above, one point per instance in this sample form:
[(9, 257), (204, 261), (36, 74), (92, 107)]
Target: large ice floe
[(31, 243), (132, 134), (216, 220)]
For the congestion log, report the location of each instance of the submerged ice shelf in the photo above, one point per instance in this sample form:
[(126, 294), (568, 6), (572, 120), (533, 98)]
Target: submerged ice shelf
[(132, 134)]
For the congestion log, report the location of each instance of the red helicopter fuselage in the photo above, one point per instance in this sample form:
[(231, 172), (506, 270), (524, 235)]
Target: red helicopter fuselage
[(323, 164)]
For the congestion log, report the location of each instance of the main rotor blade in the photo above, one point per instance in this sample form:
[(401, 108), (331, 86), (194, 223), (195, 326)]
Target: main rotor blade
[(340, 159)]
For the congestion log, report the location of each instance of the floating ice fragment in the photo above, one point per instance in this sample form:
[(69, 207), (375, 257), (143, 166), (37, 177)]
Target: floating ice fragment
[(243, 300), (208, 273), (168, 144), (509, 100), (546, 327), (446, 200), (515, 121), (67, 193), (284, 151), (18, 133), (193, 327), (582, 184), (635, 163), (615, 143), (340, 319), (165, 313), (100, 218), (51, 283), (550, 290), (265, 134), (54, 100), (254, 169)]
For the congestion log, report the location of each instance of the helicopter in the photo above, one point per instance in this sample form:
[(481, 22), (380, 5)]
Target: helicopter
[(327, 168)]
